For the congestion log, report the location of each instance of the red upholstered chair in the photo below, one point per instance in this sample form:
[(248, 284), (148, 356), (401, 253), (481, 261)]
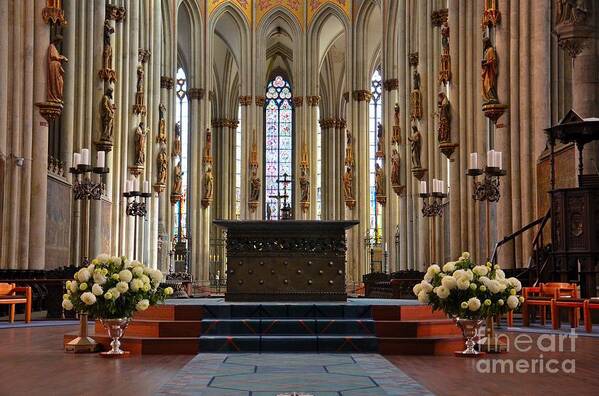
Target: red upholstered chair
[(541, 297), (592, 303), (9, 296)]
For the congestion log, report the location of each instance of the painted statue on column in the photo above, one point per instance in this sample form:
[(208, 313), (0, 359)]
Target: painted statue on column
[(489, 72), (349, 148), (107, 73), (571, 11), (162, 165), (208, 187), (178, 180), (395, 168), (396, 137), (416, 97), (444, 132), (140, 144), (107, 113), (162, 137), (445, 64), (177, 140), (304, 179), (380, 147), (254, 185), (55, 71), (379, 183), (415, 146), (140, 78), (348, 179)]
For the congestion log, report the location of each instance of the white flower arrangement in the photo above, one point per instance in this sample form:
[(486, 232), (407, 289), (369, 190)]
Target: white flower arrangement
[(114, 287), (462, 289)]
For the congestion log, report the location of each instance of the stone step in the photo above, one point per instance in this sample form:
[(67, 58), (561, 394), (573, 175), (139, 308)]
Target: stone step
[(405, 312), (438, 345), (248, 327), (294, 343), (159, 328), (286, 311), (171, 312), (416, 328), (149, 345)]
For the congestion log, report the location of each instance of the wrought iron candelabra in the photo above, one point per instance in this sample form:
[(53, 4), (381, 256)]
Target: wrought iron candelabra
[(137, 207), (488, 188), (435, 207)]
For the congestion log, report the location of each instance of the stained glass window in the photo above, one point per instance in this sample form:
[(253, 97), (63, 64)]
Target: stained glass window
[(181, 115), (318, 167), (374, 115), (278, 143), (238, 167)]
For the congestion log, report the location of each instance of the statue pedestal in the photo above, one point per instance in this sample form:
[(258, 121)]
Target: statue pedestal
[(419, 172), (289, 260)]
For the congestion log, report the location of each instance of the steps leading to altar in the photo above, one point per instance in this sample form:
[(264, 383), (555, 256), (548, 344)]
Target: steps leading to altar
[(185, 328)]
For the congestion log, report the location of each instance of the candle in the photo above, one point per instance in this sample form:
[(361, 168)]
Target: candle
[(435, 185), (136, 184), (473, 160), (498, 159), (85, 156), (146, 186), (423, 187), (442, 186), (76, 159), (490, 158), (101, 159)]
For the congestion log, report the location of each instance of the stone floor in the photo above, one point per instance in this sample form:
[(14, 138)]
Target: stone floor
[(285, 374)]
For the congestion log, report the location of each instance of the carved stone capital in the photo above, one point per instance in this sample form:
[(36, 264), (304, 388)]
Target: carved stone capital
[(50, 110), (327, 123), (313, 100), (167, 82), (346, 96), (413, 58), (260, 101), (211, 95), (391, 84), (298, 101), (195, 93), (245, 100), (438, 17), (362, 95), (115, 13), (144, 55), (54, 15)]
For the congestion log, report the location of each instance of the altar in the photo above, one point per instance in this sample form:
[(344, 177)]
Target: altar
[(291, 260)]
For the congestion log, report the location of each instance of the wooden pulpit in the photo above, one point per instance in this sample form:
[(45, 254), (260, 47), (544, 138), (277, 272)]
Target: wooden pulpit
[(290, 260)]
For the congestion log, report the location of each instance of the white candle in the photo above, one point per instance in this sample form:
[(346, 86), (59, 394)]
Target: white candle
[(442, 186), (491, 158), (498, 159), (85, 156), (76, 159), (473, 160), (146, 186), (435, 185), (136, 184), (423, 187), (101, 159)]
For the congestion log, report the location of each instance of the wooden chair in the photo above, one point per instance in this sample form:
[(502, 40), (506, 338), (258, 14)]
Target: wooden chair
[(542, 295), (592, 303), (572, 304), (9, 296)]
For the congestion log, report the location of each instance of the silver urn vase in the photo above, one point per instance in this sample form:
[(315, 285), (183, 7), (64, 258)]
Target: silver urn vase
[(469, 329), (115, 328)]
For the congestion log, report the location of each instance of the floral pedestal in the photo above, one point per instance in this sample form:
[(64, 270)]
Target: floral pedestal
[(469, 329), (116, 329)]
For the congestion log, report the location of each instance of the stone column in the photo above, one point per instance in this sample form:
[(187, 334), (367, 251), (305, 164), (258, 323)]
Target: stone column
[(579, 37)]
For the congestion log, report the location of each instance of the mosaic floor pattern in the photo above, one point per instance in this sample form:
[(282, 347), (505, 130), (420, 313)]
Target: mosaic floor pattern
[(287, 374)]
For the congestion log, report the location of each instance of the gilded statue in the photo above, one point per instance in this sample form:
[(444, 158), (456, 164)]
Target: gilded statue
[(415, 147), (395, 168), (396, 115), (107, 51), (380, 147), (304, 184), (348, 178), (178, 180), (416, 97), (254, 185), (489, 72), (55, 71), (162, 138), (444, 134), (349, 148), (208, 146), (396, 137), (140, 79), (140, 144), (208, 183), (379, 173), (162, 162), (445, 64), (107, 113), (177, 140)]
